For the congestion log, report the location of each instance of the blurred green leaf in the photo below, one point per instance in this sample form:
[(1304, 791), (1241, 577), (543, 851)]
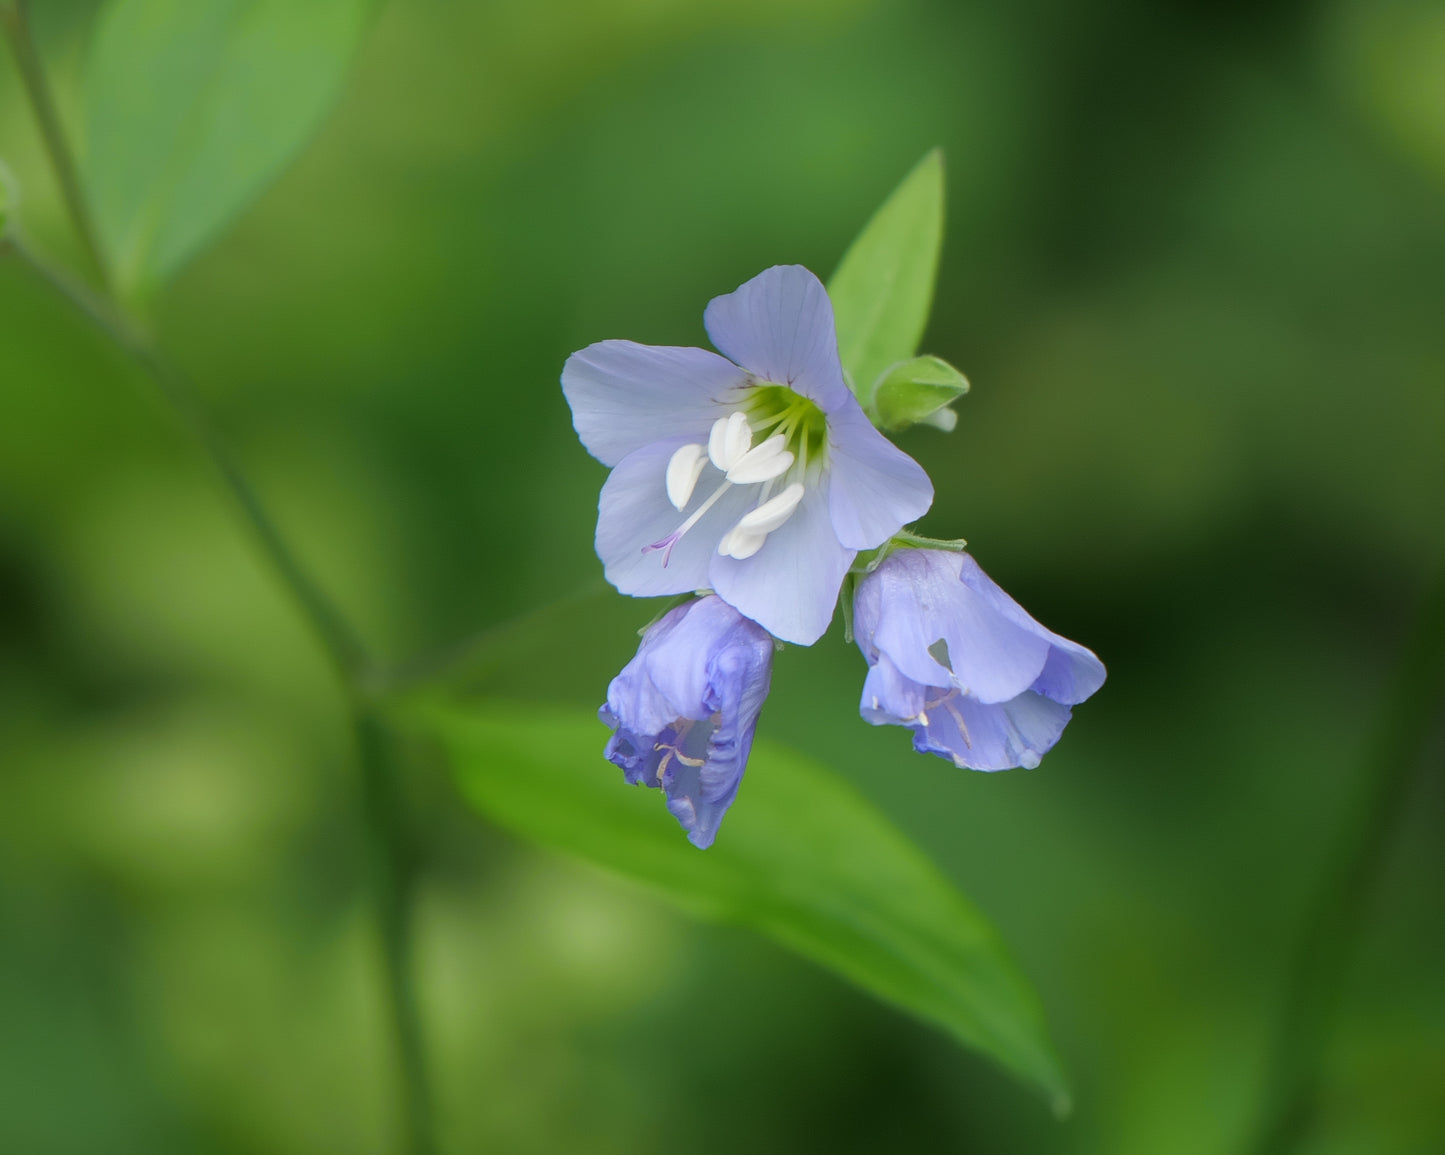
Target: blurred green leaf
[(9, 197), (883, 288), (193, 107), (802, 858), (918, 390)]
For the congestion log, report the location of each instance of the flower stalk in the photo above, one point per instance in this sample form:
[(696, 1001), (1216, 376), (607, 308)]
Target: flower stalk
[(390, 864), (15, 22)]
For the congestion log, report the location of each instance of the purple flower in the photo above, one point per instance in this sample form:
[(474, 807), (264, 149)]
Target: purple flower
[(684, 710), (959, 662), (758, 477)]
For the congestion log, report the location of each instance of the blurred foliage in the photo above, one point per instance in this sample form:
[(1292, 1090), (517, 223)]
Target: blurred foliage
[(1194, 269), (812, 866)]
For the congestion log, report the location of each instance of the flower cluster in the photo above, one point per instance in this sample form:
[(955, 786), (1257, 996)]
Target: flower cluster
[(755, 481)]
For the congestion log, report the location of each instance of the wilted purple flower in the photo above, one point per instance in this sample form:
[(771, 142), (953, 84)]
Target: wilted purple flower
[(758, 477), (684, 709), (958, 661)]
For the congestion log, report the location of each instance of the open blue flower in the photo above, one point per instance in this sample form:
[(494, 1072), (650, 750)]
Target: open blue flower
[(958, 661), (684, 709), (758, 477)]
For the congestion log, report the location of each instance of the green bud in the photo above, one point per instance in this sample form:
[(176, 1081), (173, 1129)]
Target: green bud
[(918, 391)]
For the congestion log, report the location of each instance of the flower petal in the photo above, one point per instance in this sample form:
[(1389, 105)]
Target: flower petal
[(1071, 673), (634, 512), (738, 680), (779, 325), (999, 736), (789, 587), (684, 709), (625, 395), (875, 489), (991, 655), (889, 698)]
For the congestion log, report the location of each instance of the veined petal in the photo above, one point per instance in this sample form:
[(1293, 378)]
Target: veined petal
[(790, 585), (684, 709), (990, 656), (779, 326), (1071, 673), (889, 698), (634, 511), (625, 395), (992, 736), (874, 488)]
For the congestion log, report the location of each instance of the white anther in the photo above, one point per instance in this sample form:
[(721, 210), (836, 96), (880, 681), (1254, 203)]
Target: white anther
[(762, 462), (772, 514), (682, 473), (729, 440), (741, 543)]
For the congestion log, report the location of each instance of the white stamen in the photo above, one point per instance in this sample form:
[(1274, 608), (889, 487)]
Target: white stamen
[(774, 513), (682, 473), (729, 440), (741, 543), (762, 462)]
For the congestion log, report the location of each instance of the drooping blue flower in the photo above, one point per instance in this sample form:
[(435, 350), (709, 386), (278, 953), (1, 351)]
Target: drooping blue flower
[(684, 709), (755, 474), (958, 661)]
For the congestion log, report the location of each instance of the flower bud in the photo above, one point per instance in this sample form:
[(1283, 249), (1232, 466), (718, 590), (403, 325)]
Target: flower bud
[(918, 391)]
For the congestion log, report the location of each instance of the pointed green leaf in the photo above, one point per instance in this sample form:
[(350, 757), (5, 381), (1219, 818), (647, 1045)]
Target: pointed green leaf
[(883, 288), (917, 390), (193, 107), (802, 858)]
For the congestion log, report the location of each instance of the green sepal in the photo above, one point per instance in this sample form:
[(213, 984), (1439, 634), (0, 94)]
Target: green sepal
[(916, 391), (870, 559), (907, 539)]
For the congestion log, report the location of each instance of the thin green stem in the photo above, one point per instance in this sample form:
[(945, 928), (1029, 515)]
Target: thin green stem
[(389, 866), (468, 655), (391, 870), (15, 20), (1407, 724), (334, 632)]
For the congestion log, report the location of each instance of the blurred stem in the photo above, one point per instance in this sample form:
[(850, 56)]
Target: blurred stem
[(1402, 735), (15, 20), (391, 872), (389, 866), (470, 655), (335, 634)]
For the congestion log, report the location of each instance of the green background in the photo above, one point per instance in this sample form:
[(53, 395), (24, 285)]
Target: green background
[(1195, 270)]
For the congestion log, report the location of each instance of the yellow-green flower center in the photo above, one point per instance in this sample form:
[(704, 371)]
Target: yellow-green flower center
[(776, 409)]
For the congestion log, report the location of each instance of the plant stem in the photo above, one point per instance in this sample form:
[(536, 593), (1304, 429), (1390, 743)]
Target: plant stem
[(389, 866), (1401, 739), (15, 20), (335, 634), (466, 655)]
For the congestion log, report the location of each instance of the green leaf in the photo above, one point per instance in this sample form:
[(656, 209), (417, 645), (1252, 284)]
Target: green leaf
[(9, 197), (883, 288), (917, 390), (193, 107), (802, 857)]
